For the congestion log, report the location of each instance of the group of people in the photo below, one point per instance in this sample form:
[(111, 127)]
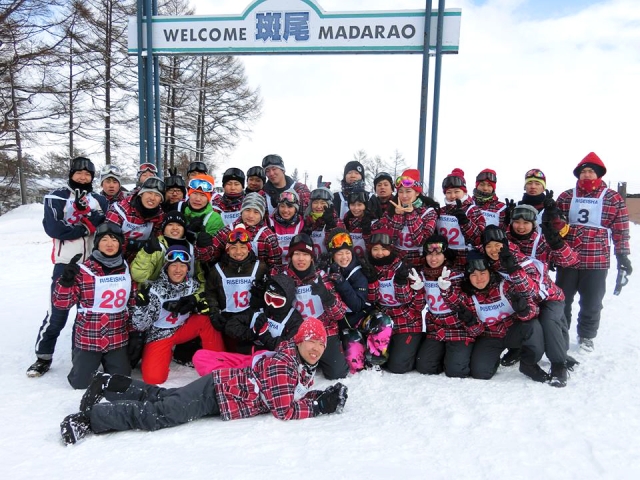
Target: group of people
[(388, 279)]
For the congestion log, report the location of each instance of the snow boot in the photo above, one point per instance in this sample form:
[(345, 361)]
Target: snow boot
[(571, 362), (75, 427), (39, 368), (586, 344), (534, 372), (511, 357), (95, 391), (558, 375)]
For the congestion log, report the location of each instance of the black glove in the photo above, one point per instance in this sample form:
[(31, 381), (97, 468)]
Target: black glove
[(366, 223), (204, 240), (549, 202), (186, 305), (135, 347), (327, 216), (190, 236), (261, 325), (459, 213), (196, 224), (202, 307), (96, 218), (142, 297), (134, 246), (335, 273), (624, 263), (511, 204), (467, 317), (520, 306), (216, 319), (507, 260), (369, 271), (171, 306), (332, 400), (552, 237), (152, 245), (71, 269), (402, 274), (81, 203), (318, 288), (323, 261)]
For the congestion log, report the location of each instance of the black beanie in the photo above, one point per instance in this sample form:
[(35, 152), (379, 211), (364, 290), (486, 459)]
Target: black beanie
[(353, 165)]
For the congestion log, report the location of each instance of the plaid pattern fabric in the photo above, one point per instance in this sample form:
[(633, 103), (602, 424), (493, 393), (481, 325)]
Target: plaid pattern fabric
[(267, 387), (222, 204), (118, 197), (133, 216), (472, 231), (407, 317), (95, 332), (591, 243), (525, 280), (304, 194), (494, 205)]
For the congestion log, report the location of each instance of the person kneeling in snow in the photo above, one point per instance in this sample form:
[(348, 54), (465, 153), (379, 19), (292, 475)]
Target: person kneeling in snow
[(277, 384)]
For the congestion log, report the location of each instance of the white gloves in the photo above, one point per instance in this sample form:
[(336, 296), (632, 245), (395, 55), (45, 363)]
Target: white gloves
[(416, 283), (443, 281)]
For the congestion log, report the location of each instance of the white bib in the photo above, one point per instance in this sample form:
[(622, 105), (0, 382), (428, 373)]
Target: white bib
[(135, 231), (307, 304), (236, 290), (449, 227), (387, 293), (492, 218), (491, 313), (317, 237), (167, 319), (254, 242), (586, 211), (110, 292), (344, 206)]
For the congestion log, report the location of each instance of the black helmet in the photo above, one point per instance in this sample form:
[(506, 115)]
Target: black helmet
[(82, 163), (233, 174), (108, 228), (257, 171), (197, 167)]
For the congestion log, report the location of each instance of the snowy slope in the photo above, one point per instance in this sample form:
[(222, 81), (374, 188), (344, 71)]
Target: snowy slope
[(407, 427)]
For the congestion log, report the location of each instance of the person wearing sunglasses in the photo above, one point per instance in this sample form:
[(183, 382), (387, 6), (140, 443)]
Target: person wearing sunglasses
[(112, 190), (286, 221), (139, 215), (175, 190), (319, 218), (168, 312), (316, 297), (255, 179), (352, 181), (279, 384), (358, 220), (484, 196), (411, 216), (229, 203), (596, 214), (198, 210), (508, 317), (278, 182), (460, 220), (71, 216), (103, 292), (396, 291), (450, 333)]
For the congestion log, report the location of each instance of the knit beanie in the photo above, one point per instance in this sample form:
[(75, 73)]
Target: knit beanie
[(591, 161), (205, 177), (257, 171), (492, 233), (254, 200), (339, 239), (154, 185), (536, 175), (82, 163), (411, 178), (353, 165), (300, 243), (454, 180), (273, 161), (311, 329), (174, 216), (487, 175)]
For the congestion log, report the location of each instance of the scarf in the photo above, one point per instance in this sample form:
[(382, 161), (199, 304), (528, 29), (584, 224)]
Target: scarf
[(110, 263)]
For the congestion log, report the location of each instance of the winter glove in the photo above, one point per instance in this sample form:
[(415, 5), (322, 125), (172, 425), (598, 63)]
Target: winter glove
[(467, 317), (142, 297), (443, 280), (202, 307), (369, 271), (324, 261), (261, 325), (511, 204), (520, 306), (196, 225), (416, 282), (402, 274), (71, 269), (134, 246), (81, 202), (460, 213), (191, 237), (552, 237), (204, 240), (335, 273), (549, 202), (216, 319), (327, 216), (319, 288), (135, 347), (332, 400), (507, 260), (185, 305), (366, 223), (91, 228), (624, 263), (152, 245)]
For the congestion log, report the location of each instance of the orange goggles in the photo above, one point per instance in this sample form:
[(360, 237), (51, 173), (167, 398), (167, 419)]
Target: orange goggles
[(341, 240), (238, 235)]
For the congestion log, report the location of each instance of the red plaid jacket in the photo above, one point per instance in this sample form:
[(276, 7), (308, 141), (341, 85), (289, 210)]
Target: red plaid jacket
[(332, 314), (525, 279), (92, 331), (268, 251), (472, 231), (457, 298), (267, 387), (493, 205), (591, 243), (407, 317), (133, 216), (446, 327)]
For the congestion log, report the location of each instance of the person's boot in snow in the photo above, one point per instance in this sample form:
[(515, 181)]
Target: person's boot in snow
[(571, 362), (511, 357), (39, 368), (586, 344), (559, 375), (534, 372), (75, 427), (100, 383)]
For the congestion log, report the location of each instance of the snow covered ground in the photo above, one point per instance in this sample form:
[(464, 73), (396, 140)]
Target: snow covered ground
[(408, 426)]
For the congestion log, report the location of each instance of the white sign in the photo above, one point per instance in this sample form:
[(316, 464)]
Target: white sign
[(296, 26)]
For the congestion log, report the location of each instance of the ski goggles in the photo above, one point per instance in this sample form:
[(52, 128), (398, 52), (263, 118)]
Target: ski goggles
[(341, 240), (82, 163), (110, 170), (534, 173), (175, 182), (487, 176), (493, 235), (274, 300), (233, 174), (154, 183), (272, 160), (453, 182), (436, 247), (523, 214), (321, 194), (256, 172), (380, 239), (238, 235), (357, 197), (407, 182), (147, 167), (178, 256), (201, 184), (477, 264), (289, 198), (197, 167)]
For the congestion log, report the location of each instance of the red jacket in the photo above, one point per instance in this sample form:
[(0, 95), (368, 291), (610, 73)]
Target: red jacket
[(471, 231), (493, 206), (133, 216)]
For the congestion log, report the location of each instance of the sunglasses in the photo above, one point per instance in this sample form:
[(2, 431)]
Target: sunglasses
[(239, 235), (288, 197), (491, 177), (178, 256), (437, 247), (110, 170), (197, 167), (341, 240), (274, 300), (380, 239), (535, 173), (201, 184), (523, 214), (477, 264), (407, 182), (148, 167), (154, 183), (453, 182)]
